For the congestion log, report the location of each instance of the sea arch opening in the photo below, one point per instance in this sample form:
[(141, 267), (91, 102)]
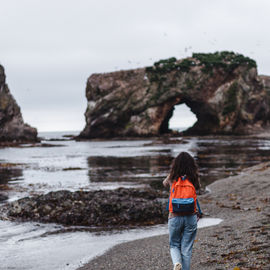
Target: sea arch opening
[(179, 118), (182, 118)]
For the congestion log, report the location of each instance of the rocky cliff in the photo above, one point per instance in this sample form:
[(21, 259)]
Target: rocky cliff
[(222, 89), (12, 127)]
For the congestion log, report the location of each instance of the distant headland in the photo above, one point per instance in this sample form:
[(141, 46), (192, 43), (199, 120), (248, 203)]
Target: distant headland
[(12, 127)]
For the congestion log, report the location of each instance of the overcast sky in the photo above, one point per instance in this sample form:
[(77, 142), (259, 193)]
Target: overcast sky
[(49, 48)]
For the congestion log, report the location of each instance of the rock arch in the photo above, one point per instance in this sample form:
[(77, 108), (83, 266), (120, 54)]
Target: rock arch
[(221, 89)]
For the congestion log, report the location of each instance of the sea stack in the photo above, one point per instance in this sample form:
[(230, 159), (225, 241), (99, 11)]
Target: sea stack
[(222, 89), (12, 126)]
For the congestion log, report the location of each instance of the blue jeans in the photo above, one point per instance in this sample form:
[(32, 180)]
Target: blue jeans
[(182, 233)]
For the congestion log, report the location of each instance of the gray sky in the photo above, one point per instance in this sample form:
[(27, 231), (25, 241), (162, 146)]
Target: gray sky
[(49, 48)]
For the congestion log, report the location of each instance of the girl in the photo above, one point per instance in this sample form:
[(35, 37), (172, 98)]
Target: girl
[(182, 179)]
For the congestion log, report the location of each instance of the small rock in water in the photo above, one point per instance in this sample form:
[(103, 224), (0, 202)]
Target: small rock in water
[(3, 197)]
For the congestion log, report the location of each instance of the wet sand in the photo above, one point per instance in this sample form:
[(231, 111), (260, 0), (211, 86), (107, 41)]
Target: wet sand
[(241, 241)]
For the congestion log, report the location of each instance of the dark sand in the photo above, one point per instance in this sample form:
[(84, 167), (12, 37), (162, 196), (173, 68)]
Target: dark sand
[(241, 241)]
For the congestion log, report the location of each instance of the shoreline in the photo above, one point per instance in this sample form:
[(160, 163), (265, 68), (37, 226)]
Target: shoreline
[(241, 240)]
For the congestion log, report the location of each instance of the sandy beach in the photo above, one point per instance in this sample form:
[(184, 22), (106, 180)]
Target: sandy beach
[(241, 241)]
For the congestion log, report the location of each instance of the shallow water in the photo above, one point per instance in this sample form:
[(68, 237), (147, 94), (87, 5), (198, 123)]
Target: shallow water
[(27, 246), (101, 165), (110, 164)]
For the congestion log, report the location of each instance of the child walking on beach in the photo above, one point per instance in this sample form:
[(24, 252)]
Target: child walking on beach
[(183, 181)]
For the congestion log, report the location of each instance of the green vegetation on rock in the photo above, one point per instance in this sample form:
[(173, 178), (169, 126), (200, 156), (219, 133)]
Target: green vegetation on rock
[(226, 60), (128, 125), (231, 100), (185, 65), (167, 65), (189, 84)]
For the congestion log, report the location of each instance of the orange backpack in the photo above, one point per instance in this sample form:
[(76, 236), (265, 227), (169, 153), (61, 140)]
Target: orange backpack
[(182, 197)]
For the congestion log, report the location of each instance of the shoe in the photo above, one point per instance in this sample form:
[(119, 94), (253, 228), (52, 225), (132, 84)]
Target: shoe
[(177, 266)]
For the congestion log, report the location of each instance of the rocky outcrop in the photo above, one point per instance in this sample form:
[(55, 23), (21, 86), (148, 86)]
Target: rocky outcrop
[(12, 127), (111, 208), (222, 89)]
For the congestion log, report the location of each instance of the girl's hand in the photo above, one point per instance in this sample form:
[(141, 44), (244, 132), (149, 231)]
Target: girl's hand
[(166, 182)]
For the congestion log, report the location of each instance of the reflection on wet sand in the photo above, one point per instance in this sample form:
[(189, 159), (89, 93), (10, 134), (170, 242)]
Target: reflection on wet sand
[(221, 158), (216, 157), (140, 169)]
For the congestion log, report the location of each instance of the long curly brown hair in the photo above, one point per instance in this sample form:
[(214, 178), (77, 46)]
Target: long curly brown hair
[(185, 164)]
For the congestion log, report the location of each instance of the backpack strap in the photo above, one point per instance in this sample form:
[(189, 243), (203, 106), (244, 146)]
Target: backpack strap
[(183, 178), (198, 206)]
